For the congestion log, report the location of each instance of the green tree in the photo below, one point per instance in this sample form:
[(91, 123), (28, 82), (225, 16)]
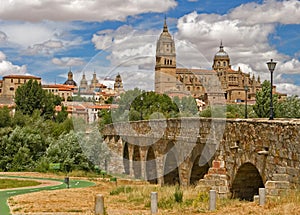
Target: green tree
[(262, 105), (31, 96), (5, 118), (61, 115), (67, 151), (289, 108)]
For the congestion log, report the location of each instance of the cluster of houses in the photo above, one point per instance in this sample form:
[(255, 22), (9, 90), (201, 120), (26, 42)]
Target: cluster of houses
[(82, 101)]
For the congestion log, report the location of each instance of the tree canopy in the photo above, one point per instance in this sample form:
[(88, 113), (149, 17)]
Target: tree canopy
[(31, 96), (262, 105)]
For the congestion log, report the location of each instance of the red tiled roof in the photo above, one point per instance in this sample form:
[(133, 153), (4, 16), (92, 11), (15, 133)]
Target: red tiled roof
[(61, 87), (22, 76)]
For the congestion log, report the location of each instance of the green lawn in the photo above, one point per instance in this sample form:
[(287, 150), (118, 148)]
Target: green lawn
[(14, 183)]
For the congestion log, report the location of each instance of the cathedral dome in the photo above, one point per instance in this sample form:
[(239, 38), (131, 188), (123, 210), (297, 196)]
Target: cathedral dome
[(70, 80), (221, 53)]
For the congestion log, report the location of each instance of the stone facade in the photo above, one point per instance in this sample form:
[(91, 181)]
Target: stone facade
[(10, 84), (197, 82), (234, 157)]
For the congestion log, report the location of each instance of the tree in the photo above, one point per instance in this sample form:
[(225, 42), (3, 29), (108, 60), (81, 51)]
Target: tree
[(67, 151), (262, 105), (61, 115), (5, 118), (31, 96), (289, 108)]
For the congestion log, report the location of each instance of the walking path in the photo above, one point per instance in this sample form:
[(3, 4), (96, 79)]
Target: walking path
[(50, 184)]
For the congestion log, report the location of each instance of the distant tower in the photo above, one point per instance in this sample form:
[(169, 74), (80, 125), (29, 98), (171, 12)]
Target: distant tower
[(94, 81), (221, 60), (165, 67), (83, 83), (70, 80), (118, 85)]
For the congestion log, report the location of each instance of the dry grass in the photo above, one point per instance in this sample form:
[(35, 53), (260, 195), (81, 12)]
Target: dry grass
[(134, 198)]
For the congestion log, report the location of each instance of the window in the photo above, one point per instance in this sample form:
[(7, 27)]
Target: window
[(11, 89), (11, 80)]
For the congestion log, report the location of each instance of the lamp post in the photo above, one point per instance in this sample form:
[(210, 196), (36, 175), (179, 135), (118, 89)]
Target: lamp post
[(142, 107), (271, 66), (246, 97)]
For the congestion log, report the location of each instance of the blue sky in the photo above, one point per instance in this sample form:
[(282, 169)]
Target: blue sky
[(47, 37)]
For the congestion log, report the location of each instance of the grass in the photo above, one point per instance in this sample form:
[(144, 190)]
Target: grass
[(133, 197), (14, 183)]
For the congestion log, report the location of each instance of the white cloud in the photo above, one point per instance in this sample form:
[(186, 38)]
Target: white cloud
[(41, 37), (8, 68), (68, 62), (2, 56), (47, 47), (127, 46), (87, 10), (288, 88), (285, 12), (245, 32), (3, 36)]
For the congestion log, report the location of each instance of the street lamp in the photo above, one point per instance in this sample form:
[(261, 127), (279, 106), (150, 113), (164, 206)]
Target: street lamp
[(246, 97), (271, 66), (142, 107)]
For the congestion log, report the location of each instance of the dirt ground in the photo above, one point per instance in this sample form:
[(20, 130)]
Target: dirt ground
[(81, 201)]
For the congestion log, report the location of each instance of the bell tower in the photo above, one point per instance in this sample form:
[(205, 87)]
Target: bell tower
[(165, 67)]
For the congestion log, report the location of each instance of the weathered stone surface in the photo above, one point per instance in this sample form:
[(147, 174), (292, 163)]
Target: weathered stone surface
[(270, 149)]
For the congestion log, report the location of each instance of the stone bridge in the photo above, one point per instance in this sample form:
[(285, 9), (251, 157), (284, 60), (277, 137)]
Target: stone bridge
[(233, 156)]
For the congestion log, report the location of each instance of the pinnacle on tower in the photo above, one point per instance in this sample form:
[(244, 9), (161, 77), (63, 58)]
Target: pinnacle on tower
[(165, 25)]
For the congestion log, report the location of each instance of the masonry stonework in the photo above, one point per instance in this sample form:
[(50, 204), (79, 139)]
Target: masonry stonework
[(233, 156)]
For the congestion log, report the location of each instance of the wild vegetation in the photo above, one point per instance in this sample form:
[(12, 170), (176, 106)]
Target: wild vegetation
[(133, 197)]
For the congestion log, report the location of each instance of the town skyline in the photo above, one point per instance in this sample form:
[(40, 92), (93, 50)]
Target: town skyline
[(122, 39)]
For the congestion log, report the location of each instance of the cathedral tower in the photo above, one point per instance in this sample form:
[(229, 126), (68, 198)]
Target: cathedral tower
[(221, 60), (165, 67)]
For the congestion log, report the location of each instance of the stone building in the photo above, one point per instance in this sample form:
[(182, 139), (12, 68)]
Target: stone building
[(70, 80), (10, 83), (219, 85), (63, 91), (100, 92)]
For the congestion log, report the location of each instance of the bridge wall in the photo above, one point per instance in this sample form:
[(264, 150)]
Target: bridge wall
[(235, 156)]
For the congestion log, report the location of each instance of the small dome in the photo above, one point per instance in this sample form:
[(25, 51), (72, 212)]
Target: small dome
[(221, 53)]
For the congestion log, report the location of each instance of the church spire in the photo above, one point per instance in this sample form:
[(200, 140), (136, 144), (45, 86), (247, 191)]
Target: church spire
[(165, 25), (221, 46)]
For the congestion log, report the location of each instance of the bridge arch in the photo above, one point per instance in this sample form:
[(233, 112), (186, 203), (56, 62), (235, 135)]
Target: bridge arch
[(136, 160), (151, 169), (197, 172), (126, 161), (171, 170), (246, 183)]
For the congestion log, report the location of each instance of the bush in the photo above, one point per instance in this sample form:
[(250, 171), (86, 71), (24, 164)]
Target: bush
[(178, 195)]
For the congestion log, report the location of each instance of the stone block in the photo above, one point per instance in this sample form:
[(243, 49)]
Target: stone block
[(282, 185), (280, 177), (271, 192), (223, 189), (216, 164), (270, 184)]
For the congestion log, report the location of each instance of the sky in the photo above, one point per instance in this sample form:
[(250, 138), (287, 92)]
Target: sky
[(47, 38)]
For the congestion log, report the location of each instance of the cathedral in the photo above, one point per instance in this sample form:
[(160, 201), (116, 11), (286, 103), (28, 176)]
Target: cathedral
[(219, 85)]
